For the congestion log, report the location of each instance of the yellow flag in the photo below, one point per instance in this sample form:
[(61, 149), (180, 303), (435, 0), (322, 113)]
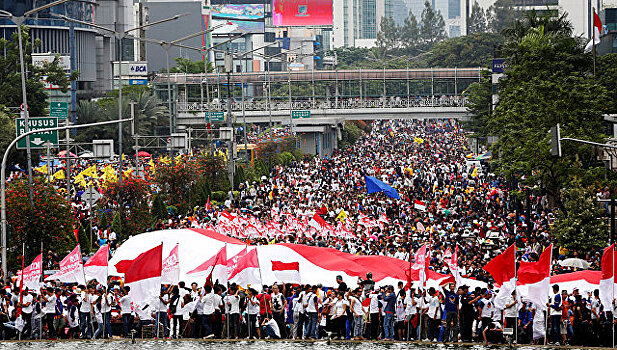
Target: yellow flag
[(91, 171), (273, 241), (128, 172), (42, 169), (474, 173), (342, 216), (178, 158), (418, 140), (271, 195), (59, 175), (165, 160), (152, 167)]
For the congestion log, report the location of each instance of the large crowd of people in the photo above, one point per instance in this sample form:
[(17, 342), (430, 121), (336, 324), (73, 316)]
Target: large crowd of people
[(462, 204)]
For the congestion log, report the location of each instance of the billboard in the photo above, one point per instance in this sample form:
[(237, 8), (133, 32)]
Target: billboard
[(252, 12), (247, 26), (302, 12)]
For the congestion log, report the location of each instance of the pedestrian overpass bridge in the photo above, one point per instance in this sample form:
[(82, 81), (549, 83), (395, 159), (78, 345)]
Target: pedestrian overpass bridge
[(326, 95)]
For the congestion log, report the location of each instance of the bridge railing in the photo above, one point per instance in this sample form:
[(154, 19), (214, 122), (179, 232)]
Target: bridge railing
[(341, 103)]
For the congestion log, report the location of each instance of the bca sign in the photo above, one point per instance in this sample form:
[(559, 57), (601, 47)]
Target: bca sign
[(138, 69)]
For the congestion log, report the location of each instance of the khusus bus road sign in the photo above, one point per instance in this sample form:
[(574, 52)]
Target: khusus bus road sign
[(300, 114), (37, 140)]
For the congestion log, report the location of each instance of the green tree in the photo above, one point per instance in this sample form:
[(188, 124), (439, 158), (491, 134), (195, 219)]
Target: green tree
[(185, 65), (433, 26), (501, 15), (159, 210), (479, 103), (477, 20), (389, 35), (474, 50), (410, 32), (605, 75), (578, 225), (10, 75), (548, 82), (47, 221)]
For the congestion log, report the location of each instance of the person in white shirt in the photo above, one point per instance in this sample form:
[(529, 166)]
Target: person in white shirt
[(87, 298), (197, 315), (49, 297), (278, 309), (252, 309), (270, 328), (126, 311), (374, 315), (232, 305), (175, 307), (107, 300), (207, 311), (26, 312), (511, 312), (399, 319), (311, 302), (161, 313), (298, 314), (339, 314), (358, 312)]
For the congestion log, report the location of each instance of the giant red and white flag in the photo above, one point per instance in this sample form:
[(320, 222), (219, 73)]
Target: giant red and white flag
[(31, 275), (503, 270), (246, 272), (608, 290), (71, 269), (286, 272), (536, 276), (171, 268), (595, 35), (144, 275), (97, 266), (216, 267), (419, 205)]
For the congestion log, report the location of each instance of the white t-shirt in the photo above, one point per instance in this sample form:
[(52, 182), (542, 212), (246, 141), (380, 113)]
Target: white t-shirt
[(487, 308), (357, 306), (250, 308), (162, 307), (25, 300), (433, 307), (274, 326), (511, 311), (309, 302), (232, 303), (374, 305), (125, 304), (106, 303), (410, 308), (338, 307), (207, 302), (86, 302), (218, 300), (50, 306)]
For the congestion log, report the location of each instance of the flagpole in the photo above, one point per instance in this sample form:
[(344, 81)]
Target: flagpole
[(612, 289), (593, 40), (516, 297), (550, 268), (40, 276), (21, 284), (158, 304)]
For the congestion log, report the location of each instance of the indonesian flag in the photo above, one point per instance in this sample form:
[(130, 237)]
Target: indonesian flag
[(246, 271), (419, 205), (318, 223), (232, 262), (453, 265), (31, 275), (595, 39), (71, 269), (537, 277), (171, 268), (96, 267), (216, 267), (208, 206), (144, 275), (286, 272), (503, 270), (421, 263), (608, 280)]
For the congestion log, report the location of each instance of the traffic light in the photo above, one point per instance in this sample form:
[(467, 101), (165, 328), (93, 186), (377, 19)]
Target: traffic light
[(555, 141)]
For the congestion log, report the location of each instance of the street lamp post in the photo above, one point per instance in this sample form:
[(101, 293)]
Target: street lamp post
[(3, 178), (19, 20)]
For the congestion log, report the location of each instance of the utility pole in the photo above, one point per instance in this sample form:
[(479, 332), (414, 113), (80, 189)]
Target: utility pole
[(229, 62)]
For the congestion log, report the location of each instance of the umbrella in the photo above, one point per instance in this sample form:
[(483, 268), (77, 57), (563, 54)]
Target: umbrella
[(62, 154), (144, 154), (574, 262)]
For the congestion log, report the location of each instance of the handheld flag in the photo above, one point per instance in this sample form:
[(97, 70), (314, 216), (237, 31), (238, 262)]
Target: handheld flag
[(374, 185), (503, 270)]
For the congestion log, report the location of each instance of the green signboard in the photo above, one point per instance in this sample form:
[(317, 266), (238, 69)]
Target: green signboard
[(300, 114), (59, 110), (37, 140), (215, 117)]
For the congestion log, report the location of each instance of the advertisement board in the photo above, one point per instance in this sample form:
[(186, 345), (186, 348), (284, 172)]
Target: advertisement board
[(302, 12), (241, 12), (247, 26)]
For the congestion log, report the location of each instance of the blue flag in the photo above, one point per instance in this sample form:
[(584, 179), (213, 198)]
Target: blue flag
[(374, 185)]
